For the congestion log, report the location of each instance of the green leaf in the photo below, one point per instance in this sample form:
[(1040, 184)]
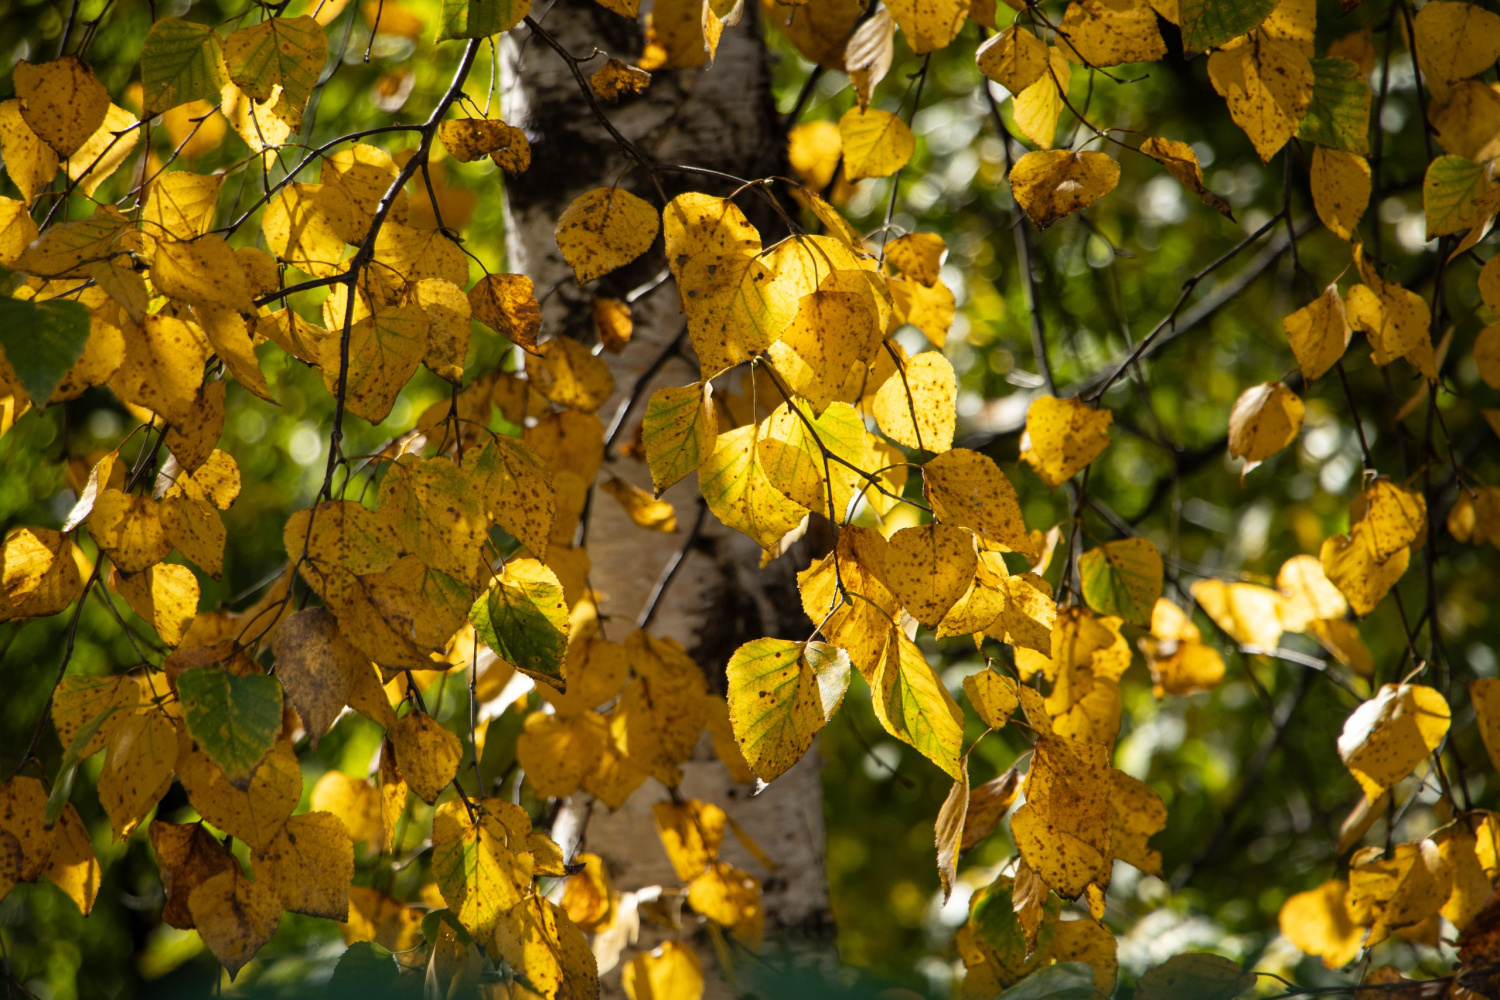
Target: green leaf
[(1210, 23), (1457, 194), (180, 62), (234, 719), (364, 969), (1122, 578), (915, 707), (524, 619), (1064, 981), (42, 340), (62, 789), (1198, 976), (1339, 115), (780, 694), (678, 432), (480, 18), (285, 51)]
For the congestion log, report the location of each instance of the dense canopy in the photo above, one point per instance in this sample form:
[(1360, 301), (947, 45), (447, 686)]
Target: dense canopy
[(1100, 397)]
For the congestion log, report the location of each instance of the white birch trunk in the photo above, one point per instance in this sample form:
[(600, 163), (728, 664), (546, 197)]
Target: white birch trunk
[(720, 117)]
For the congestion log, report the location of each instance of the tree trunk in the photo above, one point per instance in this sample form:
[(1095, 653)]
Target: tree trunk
[(720, 117)]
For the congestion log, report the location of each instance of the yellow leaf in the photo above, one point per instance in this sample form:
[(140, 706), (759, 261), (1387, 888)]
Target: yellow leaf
[(837, 330), (307, 225), (612, 322), (781, 693), (640, 506), (1349, 561), (374, 916), (62, 101), (731, 898), (967, 489), (603, 230), (1051, 185), (1472, 887), (254, 815), (234, 916), (1063, 830), (813, 150), (1182, 163), (1318, 922), (1062, 437), (1319, 331), (1455, 40), (72, 865), (355, 803), (181, 204), (1265, 419), (669, 972), (1086, 940), (23, 805), (357, 179), (73, 249), (1247, 613), (1268, 84), (1397, 516), (1030, 613), (1111, 32), (876, 143), (1391, 894), (588, 897), (928, 309), (692, 833), (194, 528), (559, 752), (919, 256), (38, 574), (678, 432), (930, 25), (791, 452), (29, 162), (1395, 320), (734, 485), (1036, 109), (927, 387), (1306, 594), (411, 253), (1389, 735), (128, 528), (143, 752), (506, 303), (513, 484), (427, 753), (1340, 189), (385, 348), (928, 568), (1136, 813), (993, 696), (1485, 694), (1015, 58), (448, 317), (105, 151), (616, 79), (80, 700), (310, 863), (475, 862), (913, 705), (166, 595), (569, 374)]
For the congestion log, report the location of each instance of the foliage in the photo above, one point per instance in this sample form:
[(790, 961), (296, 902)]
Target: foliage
[(357, 657)]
